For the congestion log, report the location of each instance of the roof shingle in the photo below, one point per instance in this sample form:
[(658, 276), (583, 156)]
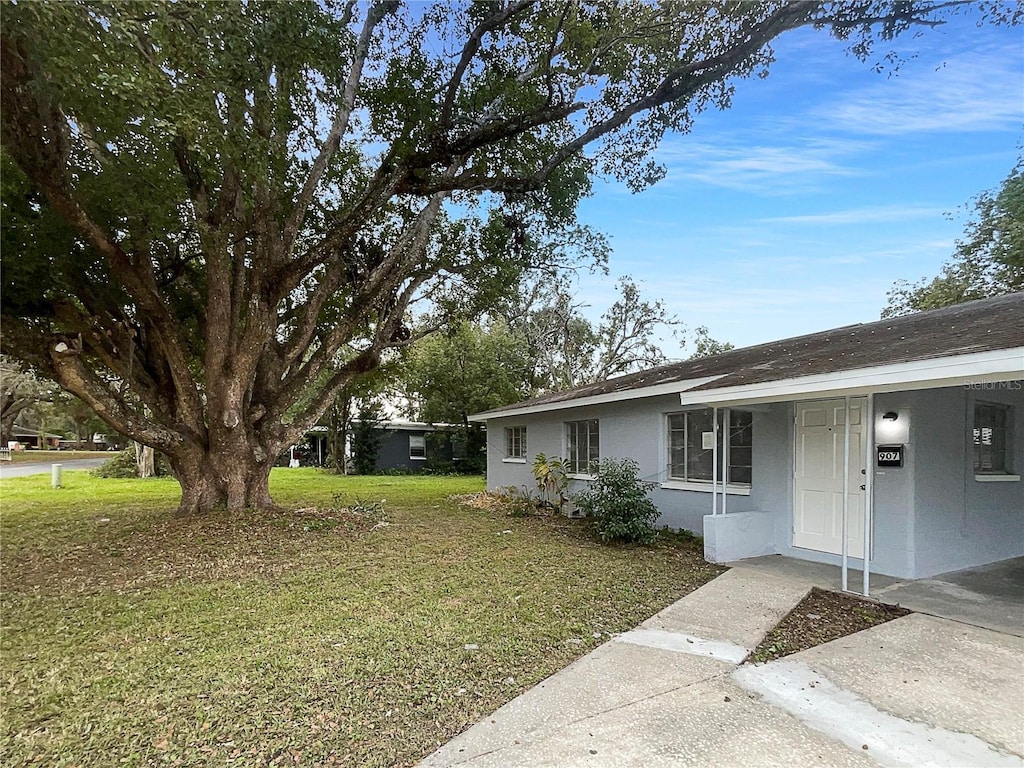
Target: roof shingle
[(977, 326)]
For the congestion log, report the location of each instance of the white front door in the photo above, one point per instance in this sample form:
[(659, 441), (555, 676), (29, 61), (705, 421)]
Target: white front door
[(818, 484)]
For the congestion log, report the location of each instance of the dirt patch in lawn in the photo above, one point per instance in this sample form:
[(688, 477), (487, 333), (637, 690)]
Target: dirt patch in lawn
[(819, 618)]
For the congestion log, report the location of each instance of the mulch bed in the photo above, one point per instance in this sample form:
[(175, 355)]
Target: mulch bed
[(819, 618)]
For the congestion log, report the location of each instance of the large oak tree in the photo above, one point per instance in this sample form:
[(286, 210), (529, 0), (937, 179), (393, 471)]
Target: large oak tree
[(218, 214)]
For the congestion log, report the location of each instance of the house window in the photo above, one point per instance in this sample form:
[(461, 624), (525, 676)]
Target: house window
[(690, 446), (515, 442), (992, 439), (417, 447), (582, 445)]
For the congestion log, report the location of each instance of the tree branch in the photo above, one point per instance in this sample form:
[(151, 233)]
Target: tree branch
[(496, 20), (377, 11), (74, 377)]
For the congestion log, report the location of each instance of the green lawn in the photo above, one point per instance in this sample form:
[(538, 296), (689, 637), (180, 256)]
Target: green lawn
[(312, 637)]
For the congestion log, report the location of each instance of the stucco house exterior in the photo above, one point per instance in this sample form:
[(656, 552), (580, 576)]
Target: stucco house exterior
[(907, 434)]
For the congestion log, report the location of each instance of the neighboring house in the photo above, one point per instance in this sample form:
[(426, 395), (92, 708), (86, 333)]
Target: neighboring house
[(410, 446), (927, 475), (33, 438), (405, 446)]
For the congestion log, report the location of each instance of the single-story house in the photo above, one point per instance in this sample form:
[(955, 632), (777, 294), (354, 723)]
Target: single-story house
[(32, 438), (412, 446), (403, 447), (902, 439)]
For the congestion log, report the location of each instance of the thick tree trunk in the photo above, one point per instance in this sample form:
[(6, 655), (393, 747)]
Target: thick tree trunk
[(6, 428), (232, 481)]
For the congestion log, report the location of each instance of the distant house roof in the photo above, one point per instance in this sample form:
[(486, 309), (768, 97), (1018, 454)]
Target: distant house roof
[(17, 431), (977, 341), (399, 425), (415, 426)]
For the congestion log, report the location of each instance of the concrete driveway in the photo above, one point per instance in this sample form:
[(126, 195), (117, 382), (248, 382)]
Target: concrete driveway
[(919, 690)]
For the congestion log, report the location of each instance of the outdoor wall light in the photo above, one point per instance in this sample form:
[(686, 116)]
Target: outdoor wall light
[(890, 416)]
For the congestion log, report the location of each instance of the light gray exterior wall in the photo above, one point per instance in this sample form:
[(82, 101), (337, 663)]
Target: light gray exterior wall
[(892, 520), (930, 516), (960, 521), (638, 429)]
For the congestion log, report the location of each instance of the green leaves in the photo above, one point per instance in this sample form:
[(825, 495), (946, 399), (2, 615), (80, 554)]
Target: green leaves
[(241, 203), (988, 260), (466, 371), (619, 500)]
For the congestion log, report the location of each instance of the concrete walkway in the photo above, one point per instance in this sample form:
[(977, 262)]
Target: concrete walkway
[(919, 690), (990, 596)]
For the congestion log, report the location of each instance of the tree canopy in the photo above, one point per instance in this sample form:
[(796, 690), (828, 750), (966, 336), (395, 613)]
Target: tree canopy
[(219, 214), (541, 343), (470, 368), (987, 261), (567, 350), (20, 391)]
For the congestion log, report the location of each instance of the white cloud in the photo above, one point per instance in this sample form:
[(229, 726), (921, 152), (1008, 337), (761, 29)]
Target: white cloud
[(875, 215), (968, 92), (769, 169)]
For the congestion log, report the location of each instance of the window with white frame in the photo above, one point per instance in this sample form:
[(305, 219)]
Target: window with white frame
[(993, 424), (417, 447), (515, 442), (582, 445), (691, 445)]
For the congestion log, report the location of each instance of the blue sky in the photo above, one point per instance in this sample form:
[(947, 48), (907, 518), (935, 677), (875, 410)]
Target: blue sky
[(795, 210)]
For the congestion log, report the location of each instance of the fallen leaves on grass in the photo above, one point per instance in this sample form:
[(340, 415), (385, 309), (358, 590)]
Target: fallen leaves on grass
[(485, 500), (304, 638), (170, 550)]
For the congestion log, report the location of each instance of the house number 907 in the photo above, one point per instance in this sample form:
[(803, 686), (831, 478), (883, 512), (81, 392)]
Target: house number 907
[(889, 456)]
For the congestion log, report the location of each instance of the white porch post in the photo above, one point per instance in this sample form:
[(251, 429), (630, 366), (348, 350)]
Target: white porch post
[(725, 461), (869, 476), (714, 461), (846, 489)]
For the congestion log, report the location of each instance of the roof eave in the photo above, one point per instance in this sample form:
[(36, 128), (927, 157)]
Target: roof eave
[(949, 371), (668, 388), (930, 373)]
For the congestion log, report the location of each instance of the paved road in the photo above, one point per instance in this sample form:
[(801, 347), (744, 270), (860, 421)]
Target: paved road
[(19, 469)]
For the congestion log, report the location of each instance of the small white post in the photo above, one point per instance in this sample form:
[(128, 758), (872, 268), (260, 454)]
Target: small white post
[(55, 470)]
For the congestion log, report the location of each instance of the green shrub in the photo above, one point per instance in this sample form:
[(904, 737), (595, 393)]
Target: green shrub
[(552, 479), (618, 501), (122, 465), (367, 436)]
